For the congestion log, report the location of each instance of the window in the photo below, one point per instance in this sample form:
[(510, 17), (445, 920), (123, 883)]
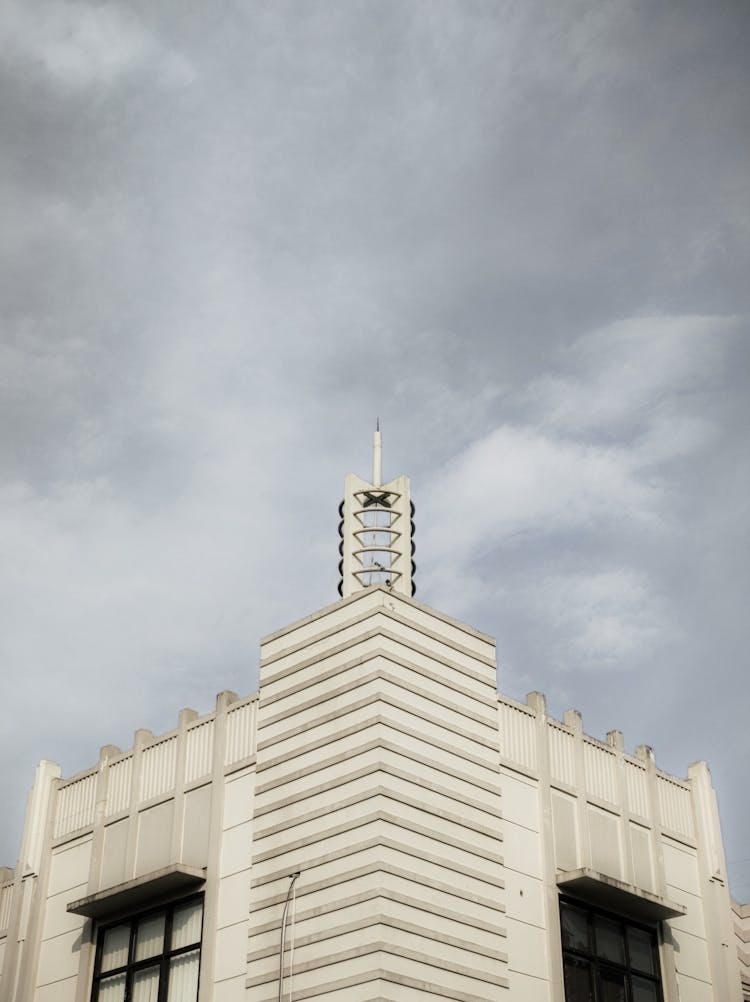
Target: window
[(607, 958), (152, 957)]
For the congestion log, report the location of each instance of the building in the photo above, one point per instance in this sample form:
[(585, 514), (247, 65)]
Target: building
[(376, 823)]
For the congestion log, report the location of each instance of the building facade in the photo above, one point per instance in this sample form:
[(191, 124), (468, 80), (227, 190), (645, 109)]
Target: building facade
[(376, 823)]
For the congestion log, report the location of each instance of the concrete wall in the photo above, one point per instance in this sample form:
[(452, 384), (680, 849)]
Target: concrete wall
[(430, 820), (377, 779), (741, 924), (180, 798), (232, 921), (587, 805)]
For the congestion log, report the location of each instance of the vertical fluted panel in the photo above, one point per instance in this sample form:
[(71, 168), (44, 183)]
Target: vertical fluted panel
[(601, 771), (6, 895), (674, 806), (118, 787), (75, 805), (561, 754), (636, 784), (241, 721), (517, 735), (158, 775), (198, 752)]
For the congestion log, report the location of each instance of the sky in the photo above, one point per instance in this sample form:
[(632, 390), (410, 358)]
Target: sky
[(234, 234)]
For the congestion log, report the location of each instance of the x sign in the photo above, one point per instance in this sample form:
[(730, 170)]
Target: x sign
[(380, 499)]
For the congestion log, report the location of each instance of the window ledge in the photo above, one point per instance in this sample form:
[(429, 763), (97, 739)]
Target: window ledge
[(616, 896), (134, 893)]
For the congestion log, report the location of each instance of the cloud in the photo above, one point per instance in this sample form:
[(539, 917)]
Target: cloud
[(602, 619), (589, 467), (632, 372), (210, 291), (519, 481), (81, 44)]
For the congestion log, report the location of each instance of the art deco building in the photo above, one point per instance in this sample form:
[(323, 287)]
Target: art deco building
[(376, 823)]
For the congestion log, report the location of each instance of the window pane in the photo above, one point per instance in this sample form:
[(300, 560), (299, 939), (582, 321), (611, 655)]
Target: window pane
[(641, 952), (112, 989), (376, 558), (609, 941), (149, 940), (606, 959), (145, 985), (612, 985), (379, 518), (115, 948), (183, 977), (575, 935), (378, 537), (643, 990), (186, 925), (577, 975)]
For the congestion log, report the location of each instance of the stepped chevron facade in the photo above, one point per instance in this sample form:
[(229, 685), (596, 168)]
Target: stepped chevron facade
[(376, 823)]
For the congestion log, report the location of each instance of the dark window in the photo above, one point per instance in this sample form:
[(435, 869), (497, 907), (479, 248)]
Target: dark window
[(607, 958), (152, 957)]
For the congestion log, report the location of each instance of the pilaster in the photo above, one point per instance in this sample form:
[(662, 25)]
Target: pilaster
[(714, 890)]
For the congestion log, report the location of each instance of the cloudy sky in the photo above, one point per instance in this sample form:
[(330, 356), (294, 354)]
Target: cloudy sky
[(235, 233)]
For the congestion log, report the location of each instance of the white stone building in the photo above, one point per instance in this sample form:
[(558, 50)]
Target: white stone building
[(377, 823)]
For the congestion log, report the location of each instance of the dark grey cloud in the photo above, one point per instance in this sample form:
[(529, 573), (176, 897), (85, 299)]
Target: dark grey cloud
[(234, 235)]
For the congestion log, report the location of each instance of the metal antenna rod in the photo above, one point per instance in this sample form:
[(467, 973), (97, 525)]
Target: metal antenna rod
[(377, 453), (292, 877), (291, 948)]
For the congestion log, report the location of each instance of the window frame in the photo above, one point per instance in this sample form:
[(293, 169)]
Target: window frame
[(589, 959), (162, 960)]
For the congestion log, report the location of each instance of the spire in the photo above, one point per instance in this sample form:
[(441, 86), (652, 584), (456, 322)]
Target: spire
[(376, 530), (377, 456)]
